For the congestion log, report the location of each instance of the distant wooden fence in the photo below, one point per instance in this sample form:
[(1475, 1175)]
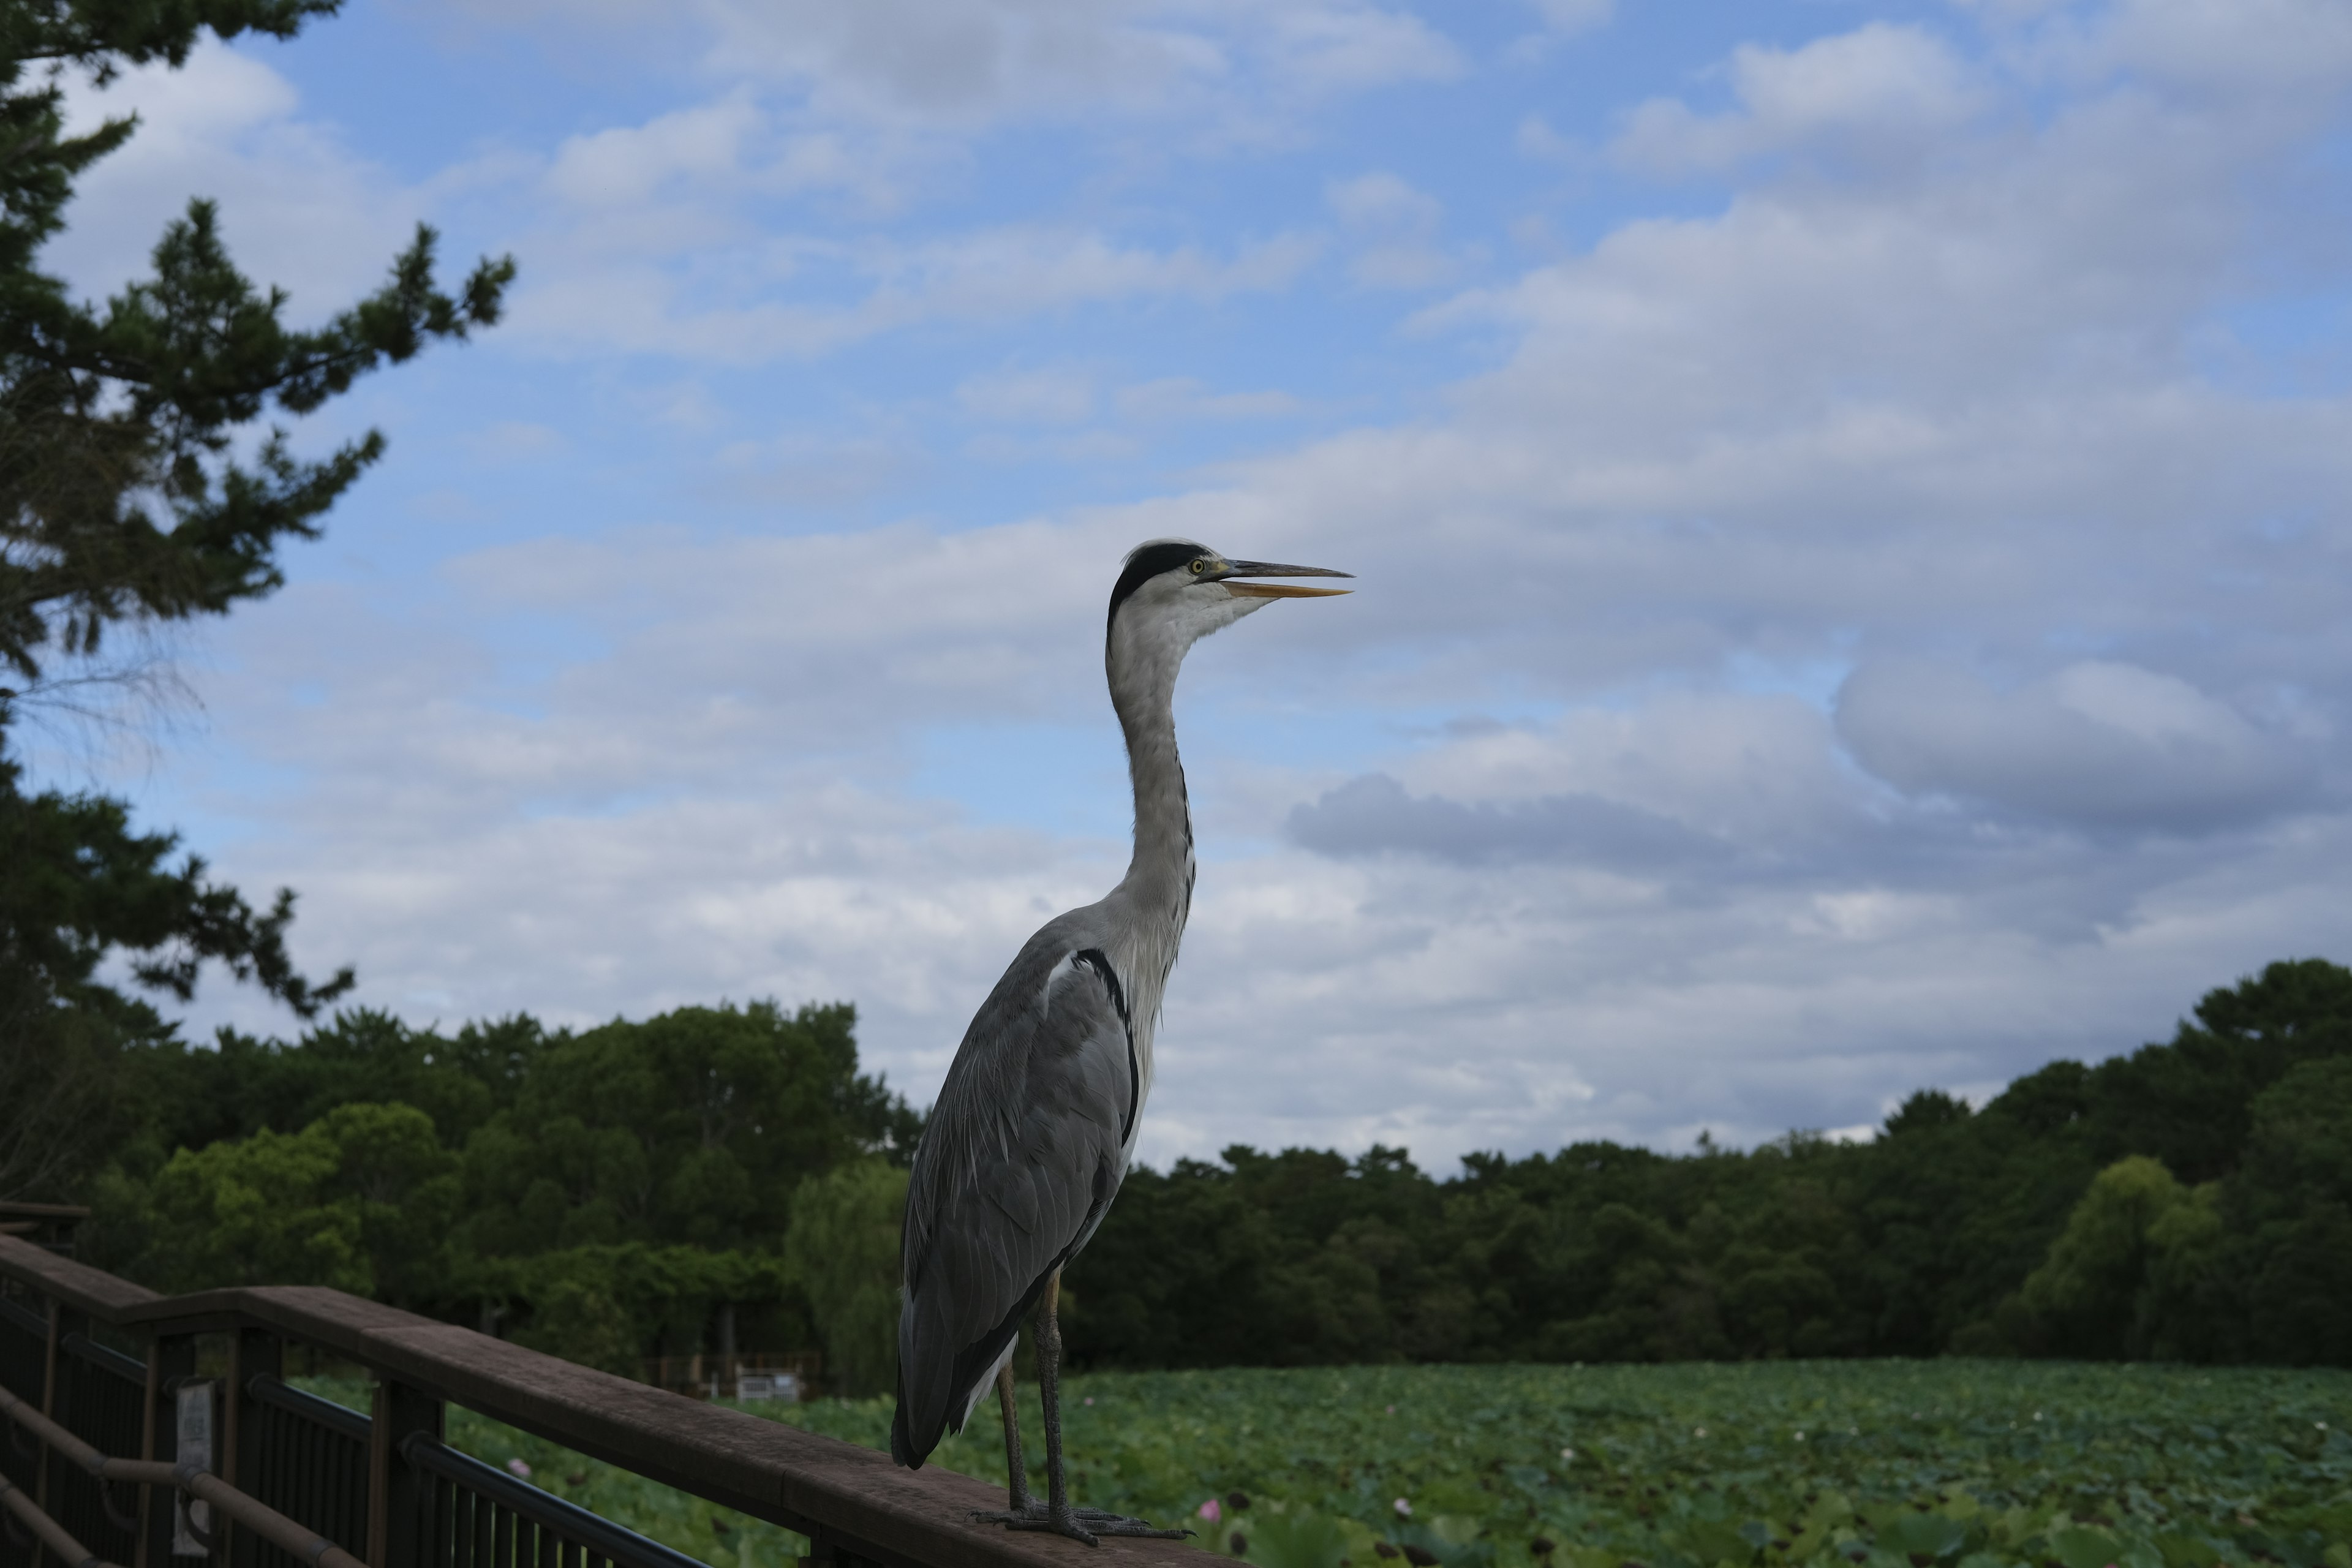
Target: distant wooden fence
[(782, 1374), (103, 1419), (51, 1225)]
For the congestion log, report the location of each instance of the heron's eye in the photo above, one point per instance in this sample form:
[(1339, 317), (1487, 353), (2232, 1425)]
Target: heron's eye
[(1200, 564)]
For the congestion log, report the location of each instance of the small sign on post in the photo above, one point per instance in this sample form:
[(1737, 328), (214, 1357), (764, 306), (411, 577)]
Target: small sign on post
[(195, 1443)]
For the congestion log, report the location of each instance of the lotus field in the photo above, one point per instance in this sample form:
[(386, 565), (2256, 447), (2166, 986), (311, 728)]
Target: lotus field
[(1947, 1464)]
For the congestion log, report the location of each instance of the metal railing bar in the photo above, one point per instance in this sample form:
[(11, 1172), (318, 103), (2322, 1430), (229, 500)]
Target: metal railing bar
[(269, 1525), (262, 1519), (554, 1517), (106, 1356), (309, 1469), (476, 1537), (24, 1316), (18, 1413), (441, 1508), (50, 1532)]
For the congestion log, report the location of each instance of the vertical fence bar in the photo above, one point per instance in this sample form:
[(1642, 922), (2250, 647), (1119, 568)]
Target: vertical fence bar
[(400, 1500), (253, 1353), (49, 1408), (171, 1359)]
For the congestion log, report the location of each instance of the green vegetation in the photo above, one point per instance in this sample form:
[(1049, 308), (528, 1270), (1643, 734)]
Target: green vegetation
[(1958, 1463), (844, 1248), (2191, 1200), (726, 1175), (623, 1193)]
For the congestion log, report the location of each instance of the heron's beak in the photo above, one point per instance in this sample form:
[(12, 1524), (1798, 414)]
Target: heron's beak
[(1233, 568)]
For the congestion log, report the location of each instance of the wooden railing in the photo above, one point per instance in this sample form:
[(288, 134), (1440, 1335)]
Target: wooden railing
[(90, 1463), (51, 1225)]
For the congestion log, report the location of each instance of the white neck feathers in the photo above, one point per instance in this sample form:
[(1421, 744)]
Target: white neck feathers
[(1148, 640)]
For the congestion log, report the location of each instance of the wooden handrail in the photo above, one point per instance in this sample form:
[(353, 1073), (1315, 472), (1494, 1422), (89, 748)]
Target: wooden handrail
[(48, 1531), (305, 1545), (806, 1482)]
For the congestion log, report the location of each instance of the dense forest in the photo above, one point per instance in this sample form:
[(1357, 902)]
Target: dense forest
[(653, 1188)]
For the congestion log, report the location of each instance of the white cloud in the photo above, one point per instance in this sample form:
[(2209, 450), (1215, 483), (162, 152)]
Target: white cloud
[(1571, 16), (1383, 201), (1048, 394), (1182, 397), (1536, 139), (717, 155), (627, 164), (2096, 743), (968, 62), (297, 207), (1881, 91), (1350, 47), (995, 275), (518, 441), (1396, 228), (2259, 54)]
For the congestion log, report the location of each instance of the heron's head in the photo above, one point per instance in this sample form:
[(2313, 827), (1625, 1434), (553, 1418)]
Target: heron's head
[(1174, 592)]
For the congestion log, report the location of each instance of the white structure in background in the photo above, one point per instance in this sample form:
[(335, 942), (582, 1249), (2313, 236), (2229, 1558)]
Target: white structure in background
[(191, 1520), (767, 1385)]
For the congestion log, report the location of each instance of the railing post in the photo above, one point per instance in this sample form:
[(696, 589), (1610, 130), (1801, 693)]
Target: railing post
[(254, 1352), (56, 1398), (170, 1359), (829, 1550), (397, 1494)]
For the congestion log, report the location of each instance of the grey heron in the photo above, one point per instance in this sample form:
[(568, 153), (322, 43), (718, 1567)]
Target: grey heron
[(1033, 1130)]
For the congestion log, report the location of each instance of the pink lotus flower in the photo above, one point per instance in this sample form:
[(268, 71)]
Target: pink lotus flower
[(1211, 1512), (519, 1468)]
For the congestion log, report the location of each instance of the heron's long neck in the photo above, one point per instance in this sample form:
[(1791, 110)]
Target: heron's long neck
[(1158, 887)]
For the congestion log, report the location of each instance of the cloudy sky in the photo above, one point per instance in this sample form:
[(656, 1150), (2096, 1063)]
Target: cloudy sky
[(1850, 501)]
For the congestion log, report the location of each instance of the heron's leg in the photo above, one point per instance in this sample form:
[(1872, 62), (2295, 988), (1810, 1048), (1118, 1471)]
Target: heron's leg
[(1049, 1391), (1077, 1523), (1016, 1487), (1020, 1507)]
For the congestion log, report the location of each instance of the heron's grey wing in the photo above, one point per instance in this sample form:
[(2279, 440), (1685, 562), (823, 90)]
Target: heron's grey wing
[(1025, 1146)]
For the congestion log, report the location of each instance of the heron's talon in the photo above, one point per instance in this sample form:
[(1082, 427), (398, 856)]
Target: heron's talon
[(1081, 1522), (1141, 1527), (1069, 1527)]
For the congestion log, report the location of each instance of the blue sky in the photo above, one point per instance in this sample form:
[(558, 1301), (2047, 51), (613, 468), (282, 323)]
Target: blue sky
[(1848, 501)]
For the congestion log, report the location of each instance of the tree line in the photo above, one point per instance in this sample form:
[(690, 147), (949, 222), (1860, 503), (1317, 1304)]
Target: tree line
[(2189, 1201), (708, 1176), (646, 1188)]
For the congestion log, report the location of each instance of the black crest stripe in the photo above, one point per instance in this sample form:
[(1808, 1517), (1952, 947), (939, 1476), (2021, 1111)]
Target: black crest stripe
[(1146, 563)]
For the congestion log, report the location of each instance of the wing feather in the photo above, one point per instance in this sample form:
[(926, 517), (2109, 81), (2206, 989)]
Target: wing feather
[(1024, 1149)]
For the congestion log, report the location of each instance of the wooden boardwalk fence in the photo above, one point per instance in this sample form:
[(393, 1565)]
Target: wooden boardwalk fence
[(98, 1382)]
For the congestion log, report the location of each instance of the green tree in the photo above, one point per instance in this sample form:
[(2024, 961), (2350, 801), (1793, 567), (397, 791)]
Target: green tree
[(2291, 1205), (2085, 1299), (139, 486), (192, 1096), (612, 1307), (361, 1200), (257, 1211), (843, 1250), (2189, 1103), (697, 1125)]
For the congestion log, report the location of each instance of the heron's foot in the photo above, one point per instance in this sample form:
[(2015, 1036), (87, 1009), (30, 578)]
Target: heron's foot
[(1079, 1523)]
